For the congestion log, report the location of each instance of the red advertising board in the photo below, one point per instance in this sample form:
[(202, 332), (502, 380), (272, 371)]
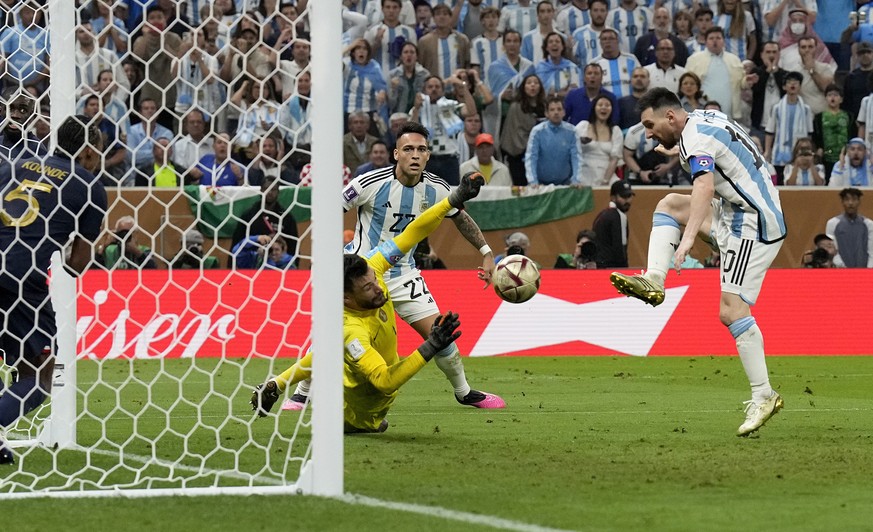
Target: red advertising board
[(154, 314)]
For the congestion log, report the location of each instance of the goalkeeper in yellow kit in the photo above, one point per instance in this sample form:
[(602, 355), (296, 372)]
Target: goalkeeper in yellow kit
[(373, 371)]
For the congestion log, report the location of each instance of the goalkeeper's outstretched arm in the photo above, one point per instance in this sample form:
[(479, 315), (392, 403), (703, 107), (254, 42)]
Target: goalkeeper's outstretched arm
[(301, 370)]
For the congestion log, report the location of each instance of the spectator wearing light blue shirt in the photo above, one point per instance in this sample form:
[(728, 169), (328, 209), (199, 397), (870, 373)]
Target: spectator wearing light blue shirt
[(25, 48), (552, 157)]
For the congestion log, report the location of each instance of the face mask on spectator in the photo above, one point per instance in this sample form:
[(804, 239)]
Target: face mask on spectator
[(798, 28)]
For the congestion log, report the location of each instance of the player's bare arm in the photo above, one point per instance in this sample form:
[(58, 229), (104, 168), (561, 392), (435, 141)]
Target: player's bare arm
[(80, 256), (701, 202), (470, 231)]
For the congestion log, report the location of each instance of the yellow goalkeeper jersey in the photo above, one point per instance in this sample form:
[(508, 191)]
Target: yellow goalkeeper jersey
[(373, 370)]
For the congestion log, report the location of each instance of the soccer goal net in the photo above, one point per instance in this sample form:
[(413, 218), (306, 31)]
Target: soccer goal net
[(202, 283)]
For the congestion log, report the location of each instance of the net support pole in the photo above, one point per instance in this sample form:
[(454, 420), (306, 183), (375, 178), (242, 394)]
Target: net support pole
[(327, 364), (62, 85), (60, 428)]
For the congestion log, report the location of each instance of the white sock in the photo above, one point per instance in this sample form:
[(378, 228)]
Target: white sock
[(303, 387), (663, 241), (452, 366), (750, 346)]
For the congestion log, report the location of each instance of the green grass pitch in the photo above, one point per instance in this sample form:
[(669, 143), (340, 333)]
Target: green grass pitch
[(586, 443)]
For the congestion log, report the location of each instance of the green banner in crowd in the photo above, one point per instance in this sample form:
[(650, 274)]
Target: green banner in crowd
[(504, 207), (218, 209)]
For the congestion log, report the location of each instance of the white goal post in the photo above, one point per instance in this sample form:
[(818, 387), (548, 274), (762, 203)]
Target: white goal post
[(149, 426)]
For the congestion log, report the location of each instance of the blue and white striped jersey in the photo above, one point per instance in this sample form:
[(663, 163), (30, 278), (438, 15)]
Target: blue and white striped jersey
[(735, 45), (532, 45), (571, 19), (617, 73), (865, 117), (636, 141), (382, 47), (448, 58), (385, 207), (483, 52), (711, 142), (630, 25), (586, 45), (521, 19)]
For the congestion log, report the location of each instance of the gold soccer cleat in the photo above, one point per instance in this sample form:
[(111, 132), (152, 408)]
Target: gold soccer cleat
[(639, 287)]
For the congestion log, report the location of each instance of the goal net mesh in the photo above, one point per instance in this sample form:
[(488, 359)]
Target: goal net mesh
[(200, 287)]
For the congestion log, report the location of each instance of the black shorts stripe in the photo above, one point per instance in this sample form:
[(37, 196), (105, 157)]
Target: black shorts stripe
[(742, 262)]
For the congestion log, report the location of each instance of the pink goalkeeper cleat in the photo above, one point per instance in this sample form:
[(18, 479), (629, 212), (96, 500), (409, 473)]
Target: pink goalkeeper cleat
[(296, 402), (478, 399)]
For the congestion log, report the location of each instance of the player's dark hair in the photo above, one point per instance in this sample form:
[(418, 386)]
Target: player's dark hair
[(586, 233), (702, 12), (715, 29), (413, 127), (75, 133), (604, 2), (820, 237), (354, 267), (511, 31), (659, 98), (554, 99), (153, 9)]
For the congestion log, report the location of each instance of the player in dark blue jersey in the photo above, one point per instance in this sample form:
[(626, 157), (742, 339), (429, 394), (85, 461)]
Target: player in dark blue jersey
[(18, 111), (44, 203)]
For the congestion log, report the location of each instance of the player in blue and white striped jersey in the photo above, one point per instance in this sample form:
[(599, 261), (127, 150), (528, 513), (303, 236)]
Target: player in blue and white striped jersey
[(532, 41), (387, 200), (586, 40), (383, 37), (487, 47), (572, 17), (734, 204), (617, 66), (521, 17), (632, 21)]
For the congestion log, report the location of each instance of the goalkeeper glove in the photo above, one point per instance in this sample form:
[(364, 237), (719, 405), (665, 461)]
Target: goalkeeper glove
[(442, 334), (468, 189)]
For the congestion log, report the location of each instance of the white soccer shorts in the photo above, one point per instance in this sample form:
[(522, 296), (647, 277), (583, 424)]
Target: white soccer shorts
[(744, 261), (412, 300)]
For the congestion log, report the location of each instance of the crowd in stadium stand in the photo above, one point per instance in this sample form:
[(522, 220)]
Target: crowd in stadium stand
[(217, 92)]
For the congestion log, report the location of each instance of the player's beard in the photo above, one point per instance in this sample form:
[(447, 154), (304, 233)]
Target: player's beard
[(668, 140), (376, 302)]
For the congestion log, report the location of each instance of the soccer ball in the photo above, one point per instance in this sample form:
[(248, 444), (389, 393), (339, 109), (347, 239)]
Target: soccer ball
[(516, 279)]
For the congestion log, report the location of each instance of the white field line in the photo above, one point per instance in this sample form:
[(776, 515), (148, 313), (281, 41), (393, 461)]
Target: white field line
[(353, 499), (446, 513)]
